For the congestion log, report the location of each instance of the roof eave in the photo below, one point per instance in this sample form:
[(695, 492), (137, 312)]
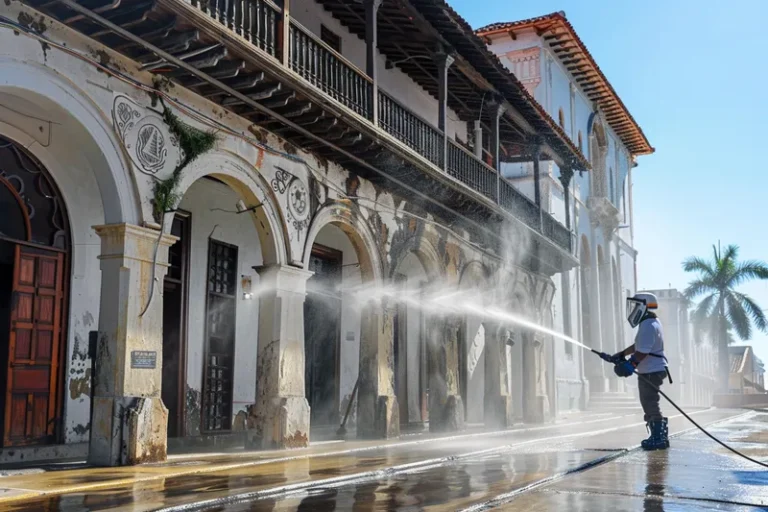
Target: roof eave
[(559, 18)]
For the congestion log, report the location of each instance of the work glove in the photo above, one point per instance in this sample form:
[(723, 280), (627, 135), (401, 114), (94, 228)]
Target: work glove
[(617, 357), (625, 368)]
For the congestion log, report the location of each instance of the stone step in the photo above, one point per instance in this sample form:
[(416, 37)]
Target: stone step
[(615, 401)]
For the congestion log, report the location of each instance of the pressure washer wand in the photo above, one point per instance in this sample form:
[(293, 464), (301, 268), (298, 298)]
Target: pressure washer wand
[(608, 358)]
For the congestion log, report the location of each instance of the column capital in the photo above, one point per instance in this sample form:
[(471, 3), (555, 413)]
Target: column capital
[(284, 277), (443, 57), (497, 106), (131, 241)]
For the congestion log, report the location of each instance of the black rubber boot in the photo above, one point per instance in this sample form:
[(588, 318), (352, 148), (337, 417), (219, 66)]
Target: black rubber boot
[(659, 438)]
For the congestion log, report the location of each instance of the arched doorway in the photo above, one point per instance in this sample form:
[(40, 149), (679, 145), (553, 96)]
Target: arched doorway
[(34, 270), (414, 274), (211, 304), (340, 354)]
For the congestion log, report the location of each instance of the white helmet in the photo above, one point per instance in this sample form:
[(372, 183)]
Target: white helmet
[(638, 304)]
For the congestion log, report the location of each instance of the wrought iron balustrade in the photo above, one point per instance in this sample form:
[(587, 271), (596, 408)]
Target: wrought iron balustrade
[(555, 231), (410, 129), (468, 169), (255, 20), (516, 203), (327, 70)]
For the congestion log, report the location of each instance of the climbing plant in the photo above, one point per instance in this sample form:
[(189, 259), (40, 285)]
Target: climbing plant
[(193, 143)]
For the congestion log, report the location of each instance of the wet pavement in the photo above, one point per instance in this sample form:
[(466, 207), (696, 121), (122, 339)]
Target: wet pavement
[(451, 473)]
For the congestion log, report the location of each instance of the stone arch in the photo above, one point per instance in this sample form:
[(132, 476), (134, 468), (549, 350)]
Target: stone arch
[(35, 262), (341, 229), (73, 116), (49, 115), (353, 224), (425, 251), (246, 181)]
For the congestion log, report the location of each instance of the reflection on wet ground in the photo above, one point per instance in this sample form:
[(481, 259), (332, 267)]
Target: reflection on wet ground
[(695, 469), (458, 485)]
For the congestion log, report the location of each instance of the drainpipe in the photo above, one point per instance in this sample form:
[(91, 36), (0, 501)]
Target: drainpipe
[(478, 140)]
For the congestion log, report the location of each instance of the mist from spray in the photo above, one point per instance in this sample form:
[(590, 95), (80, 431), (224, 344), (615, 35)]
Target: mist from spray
[(449, 301)]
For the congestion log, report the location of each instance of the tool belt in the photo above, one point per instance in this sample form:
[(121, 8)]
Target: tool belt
[(666, 368)]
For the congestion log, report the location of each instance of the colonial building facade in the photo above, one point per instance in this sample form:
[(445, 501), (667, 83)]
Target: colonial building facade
[(234, 220), (549, 58)]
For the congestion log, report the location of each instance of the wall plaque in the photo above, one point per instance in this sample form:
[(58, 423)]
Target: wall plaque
[(146, 359)]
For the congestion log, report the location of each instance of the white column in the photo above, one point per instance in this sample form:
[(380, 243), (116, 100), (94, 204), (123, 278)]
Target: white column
[(280, 416), (596, 372), (130, 422), (378, 413)]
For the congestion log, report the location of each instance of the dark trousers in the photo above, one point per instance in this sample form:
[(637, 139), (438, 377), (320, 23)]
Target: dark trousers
[(649, 396)]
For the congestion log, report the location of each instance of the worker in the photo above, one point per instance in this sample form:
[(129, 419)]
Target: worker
[(648, 361)]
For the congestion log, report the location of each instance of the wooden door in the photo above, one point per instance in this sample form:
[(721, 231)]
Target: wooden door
[(33, 351), (175, 298)]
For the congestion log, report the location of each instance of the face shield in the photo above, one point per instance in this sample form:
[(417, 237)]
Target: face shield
[(635, 311)]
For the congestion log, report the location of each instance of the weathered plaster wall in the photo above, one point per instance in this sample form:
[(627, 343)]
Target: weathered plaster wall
[(258, 174), (50, 115)]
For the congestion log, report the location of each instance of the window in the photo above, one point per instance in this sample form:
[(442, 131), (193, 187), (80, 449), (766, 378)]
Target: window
[(611, 189), (561, 118), (330, 38)]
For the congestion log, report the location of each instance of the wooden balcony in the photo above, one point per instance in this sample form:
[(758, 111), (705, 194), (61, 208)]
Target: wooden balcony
[(312, 96)]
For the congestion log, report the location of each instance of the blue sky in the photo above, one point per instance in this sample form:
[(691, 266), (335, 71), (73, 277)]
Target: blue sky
[(693, 75)]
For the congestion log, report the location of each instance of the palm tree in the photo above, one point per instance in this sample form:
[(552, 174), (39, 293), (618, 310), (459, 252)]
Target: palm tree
[(724, 310)]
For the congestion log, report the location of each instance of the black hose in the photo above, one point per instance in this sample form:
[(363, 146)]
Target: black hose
[(648, 381)]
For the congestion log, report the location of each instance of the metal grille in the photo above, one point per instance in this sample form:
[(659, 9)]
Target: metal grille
[(219, 363)]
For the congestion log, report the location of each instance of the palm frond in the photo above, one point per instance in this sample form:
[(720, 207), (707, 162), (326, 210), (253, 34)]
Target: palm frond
[(696, 264), (753, 310), (748, 271), (737, 317), (702, 315), (699, 286), (731, 253)]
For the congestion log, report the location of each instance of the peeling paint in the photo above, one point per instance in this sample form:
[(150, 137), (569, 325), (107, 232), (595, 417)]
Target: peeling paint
[(80, 386), (296, 440), (81, 430), (239, 422), (29, 21)]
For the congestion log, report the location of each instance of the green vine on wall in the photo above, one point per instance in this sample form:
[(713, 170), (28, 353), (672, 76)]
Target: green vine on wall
[(193, 143)]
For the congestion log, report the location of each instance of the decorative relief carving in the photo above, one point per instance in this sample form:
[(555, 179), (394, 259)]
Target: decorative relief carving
[(146, 137), (525, 64), (294, 194)]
